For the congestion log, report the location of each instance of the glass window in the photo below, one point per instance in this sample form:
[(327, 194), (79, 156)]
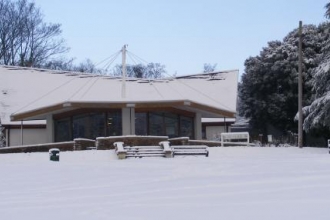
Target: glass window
[(164, 124), (90, 125), (171, 125), (114, 124), (62, 130), (186, 127), (156, 124), (141, 124), (99, 124), (97, 128), (81, 126)]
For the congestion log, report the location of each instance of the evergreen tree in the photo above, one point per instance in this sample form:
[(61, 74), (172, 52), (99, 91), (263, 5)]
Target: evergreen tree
[(269, 85), (327, 12), (318, 113)]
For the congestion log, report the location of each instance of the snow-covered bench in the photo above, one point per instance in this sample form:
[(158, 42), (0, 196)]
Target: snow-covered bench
[(193, 150), (161, 150), (235, 138), (172, 150)]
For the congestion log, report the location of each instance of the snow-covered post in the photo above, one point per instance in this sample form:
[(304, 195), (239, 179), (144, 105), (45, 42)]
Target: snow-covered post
[(2, 136), (167, 148), (120, 150)]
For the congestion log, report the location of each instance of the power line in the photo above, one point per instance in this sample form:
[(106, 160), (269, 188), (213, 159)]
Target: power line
[(80, 88), (204, 94), (87, 90), (46, 94), (109, 63), (131, 57), (113, 55), (137, 57)]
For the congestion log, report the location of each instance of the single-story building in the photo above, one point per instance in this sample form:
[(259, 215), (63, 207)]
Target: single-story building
[(213, 127), (43, 106)]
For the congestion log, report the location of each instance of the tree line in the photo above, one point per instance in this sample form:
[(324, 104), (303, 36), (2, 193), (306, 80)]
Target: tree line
[(268, 92), (27, 40)]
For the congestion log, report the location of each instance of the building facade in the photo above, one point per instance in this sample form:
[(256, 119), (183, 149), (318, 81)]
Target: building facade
[(41, 106)]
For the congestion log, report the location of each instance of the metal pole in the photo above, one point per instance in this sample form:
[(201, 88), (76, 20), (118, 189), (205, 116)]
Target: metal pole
[(123, 88), (224, 120), (22, 133), (2, 135), (300, 121)]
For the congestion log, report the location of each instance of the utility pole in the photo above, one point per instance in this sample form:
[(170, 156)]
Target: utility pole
[(123, 88), (300, 120)]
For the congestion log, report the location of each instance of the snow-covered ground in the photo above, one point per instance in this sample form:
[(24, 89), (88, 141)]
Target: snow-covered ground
[(232, 183)]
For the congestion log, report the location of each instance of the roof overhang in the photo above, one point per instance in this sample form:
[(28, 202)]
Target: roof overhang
[(41, 113)]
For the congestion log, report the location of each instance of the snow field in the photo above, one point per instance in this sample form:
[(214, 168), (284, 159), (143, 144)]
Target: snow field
[(232, 183)]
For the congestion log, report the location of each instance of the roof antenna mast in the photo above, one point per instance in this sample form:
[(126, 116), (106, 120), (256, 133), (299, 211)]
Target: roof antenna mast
[(123, 88)]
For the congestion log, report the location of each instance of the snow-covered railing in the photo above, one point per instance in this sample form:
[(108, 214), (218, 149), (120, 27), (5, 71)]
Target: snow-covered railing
[(190, 150), (172, 150), (237, 138), (120, 151), (167, 148), (105, 143), (164, 149)]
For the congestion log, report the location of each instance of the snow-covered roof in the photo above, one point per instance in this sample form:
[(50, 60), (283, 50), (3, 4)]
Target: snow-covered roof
[(28, 93), (218, 120)]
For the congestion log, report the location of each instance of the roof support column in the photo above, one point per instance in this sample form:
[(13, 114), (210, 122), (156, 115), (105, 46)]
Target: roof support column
[(50, 128), (198, 126), (128, 121)]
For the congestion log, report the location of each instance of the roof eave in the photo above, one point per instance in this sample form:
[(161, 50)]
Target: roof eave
[(41, 113)]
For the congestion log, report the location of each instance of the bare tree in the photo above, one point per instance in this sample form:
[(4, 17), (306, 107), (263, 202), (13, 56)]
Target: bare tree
[(155, 70), (25, 39), (60, 63), (208, 68), (150, 71), (5, 29), (86, 66)]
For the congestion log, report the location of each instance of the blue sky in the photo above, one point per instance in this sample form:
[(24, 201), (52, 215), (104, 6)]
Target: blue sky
[(182, 35)]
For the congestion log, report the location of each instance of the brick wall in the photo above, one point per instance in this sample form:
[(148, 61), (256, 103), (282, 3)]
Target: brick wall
[(63, 146), (105, 143), (83, 144)]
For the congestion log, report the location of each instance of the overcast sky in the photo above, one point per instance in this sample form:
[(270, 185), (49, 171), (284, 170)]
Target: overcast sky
[(181, 34)]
